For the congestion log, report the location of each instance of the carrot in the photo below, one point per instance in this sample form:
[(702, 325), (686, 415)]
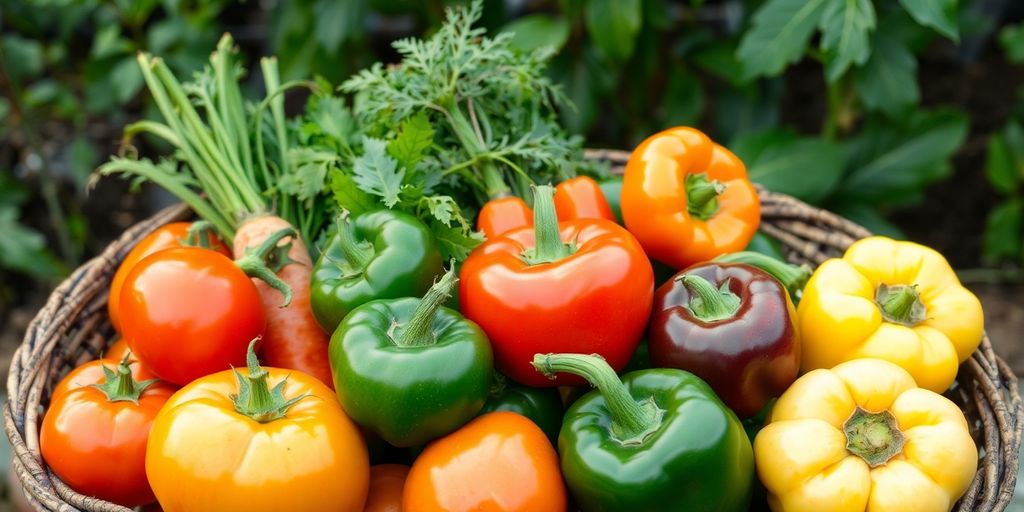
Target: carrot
[(293, 339)]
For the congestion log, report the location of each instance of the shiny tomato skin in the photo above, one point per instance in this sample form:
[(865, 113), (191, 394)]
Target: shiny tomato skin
[(596, 300), (189, 312), (96, 446), (165, 237)]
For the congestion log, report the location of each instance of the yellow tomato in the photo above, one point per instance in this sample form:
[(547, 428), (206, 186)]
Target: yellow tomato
[(863, 436), (291, 448), (897, 301)]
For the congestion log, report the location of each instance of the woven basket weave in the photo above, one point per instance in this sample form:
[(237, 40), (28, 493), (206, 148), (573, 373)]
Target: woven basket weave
[(73, 328)]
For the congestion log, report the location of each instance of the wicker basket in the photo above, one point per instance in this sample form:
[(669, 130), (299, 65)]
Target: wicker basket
[(73, 328)]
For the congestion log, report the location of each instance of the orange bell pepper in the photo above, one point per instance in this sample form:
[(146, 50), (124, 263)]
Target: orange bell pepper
[(577, 198), (500, 461), (688, 199)]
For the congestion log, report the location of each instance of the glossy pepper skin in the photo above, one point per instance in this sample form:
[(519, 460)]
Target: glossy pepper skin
[(411, 370), (897, 301), (542, 406), (863, 436), (750, 355), (226, 442), (656, 440), (95, 430), (576, 198), (688, 199), (500, 461), (383, 254), (592, 295)]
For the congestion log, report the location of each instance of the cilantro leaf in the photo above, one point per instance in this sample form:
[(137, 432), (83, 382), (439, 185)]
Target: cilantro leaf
[(349, 196), (414, 138), (456, 241), (441, 208), (377, 173)]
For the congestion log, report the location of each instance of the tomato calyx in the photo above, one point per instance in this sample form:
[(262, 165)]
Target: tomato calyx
[(255, 398), (548, 245), (265, 261), (419, 330), (119, 385), (702, 195), (199, 234)]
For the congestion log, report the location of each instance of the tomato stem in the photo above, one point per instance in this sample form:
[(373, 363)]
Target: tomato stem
[(199, 234), (358, 253), (710, 304), (255, 398), (264, 261), (548, 245), (419, 330), (119, 385), (632, 420), (702, 195)]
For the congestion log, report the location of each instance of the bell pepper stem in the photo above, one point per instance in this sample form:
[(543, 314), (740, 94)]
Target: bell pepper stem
[(632, 421), (119, 385), (548, 246), (900, 304), (419, 330), (873, 436), (255, 398), (793, 277), (264, 261), (356, 253), (702, 195), (710, 304)]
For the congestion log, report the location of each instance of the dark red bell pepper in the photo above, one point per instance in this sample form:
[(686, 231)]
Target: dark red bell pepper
[(733, 325)]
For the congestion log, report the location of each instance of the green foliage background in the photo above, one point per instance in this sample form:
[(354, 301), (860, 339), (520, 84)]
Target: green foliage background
[(862, 144)]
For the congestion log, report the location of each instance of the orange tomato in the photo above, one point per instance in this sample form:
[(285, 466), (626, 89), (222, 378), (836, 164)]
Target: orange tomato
[(503, 214), (674, 223), (95, 439), (165, 237), (117, 350), (386, 484), (500, 461), (204, 454), (581, 198)]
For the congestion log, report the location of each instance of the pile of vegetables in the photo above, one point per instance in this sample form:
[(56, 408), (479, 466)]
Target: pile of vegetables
[(335, 307)]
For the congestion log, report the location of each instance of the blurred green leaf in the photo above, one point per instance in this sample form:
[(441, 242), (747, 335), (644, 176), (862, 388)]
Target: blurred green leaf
[(613, 26), (937, 14), (1003, 230), (82, 157), (23, 58), (887, 82), (337, 22), (23, 249), (779, 35), (846, 27), (126, 78), (750, 108), (886, 161), (719, 59), (999, 165), (684, 98), (109, 43), (538, 30), (1011, 38), (41, 92), (805, 168)]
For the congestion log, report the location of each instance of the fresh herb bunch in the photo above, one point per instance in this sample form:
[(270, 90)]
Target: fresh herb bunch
[(235, 160), (462, 119)]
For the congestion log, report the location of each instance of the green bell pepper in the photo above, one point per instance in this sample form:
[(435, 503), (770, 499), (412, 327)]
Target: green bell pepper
[(542, 405), (383, 254), (656, 440), (411, 370)]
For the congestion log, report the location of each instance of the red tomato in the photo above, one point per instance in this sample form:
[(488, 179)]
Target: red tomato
[(189, 312), (165, 237), (98, 446)]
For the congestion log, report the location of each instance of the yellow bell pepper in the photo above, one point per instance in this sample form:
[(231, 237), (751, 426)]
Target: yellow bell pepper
[(863, 437), (897, 301)]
